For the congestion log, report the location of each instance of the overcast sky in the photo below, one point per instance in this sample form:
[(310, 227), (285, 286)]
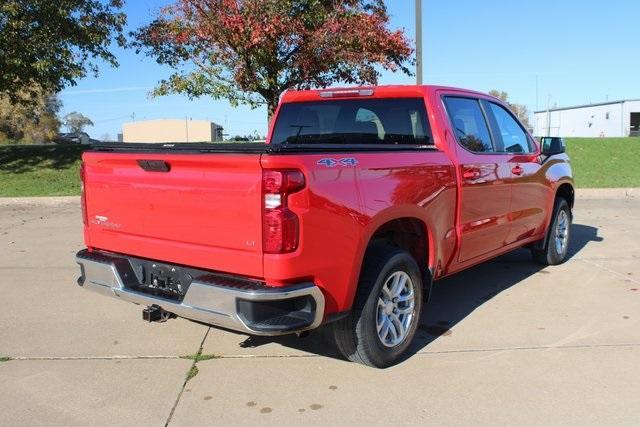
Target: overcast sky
[(580, 52)]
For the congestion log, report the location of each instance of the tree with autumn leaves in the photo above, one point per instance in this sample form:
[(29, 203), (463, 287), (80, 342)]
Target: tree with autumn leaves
[(47, 45), (251, 51), (520, 110)]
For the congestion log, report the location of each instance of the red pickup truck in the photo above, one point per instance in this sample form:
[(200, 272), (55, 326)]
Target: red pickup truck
[(358, 201)]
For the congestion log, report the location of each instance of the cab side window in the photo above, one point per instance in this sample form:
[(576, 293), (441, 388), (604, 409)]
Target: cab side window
[(514, 138), (469, 124)]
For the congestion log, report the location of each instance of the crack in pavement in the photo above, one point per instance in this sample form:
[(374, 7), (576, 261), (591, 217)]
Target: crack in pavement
[(158, 357), (529, 348), (186, 380), (617, 273), (472, 350), (284, 356), (60, 267)]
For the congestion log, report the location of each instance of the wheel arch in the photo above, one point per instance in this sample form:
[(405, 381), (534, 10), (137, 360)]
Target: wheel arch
[(566, 191), (408, 232)]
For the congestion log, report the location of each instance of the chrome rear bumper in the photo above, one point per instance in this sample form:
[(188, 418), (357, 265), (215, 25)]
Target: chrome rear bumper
[(218, 304)]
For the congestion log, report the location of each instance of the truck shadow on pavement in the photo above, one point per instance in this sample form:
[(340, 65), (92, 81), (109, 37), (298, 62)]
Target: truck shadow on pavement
[(452, 299)]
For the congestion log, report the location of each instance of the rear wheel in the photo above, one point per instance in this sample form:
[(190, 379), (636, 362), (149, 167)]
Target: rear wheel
[(386, 310), (557, 245)]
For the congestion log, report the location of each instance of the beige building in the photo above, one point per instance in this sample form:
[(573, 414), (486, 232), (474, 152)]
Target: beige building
[(171, 130)]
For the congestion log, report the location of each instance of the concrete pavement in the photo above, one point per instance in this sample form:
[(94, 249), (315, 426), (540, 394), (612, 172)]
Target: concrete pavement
[(506, 342)]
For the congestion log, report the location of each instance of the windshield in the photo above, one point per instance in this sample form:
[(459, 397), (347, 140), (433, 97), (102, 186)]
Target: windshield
[(354, 121)]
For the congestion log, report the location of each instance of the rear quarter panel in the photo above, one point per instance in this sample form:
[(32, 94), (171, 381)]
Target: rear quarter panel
[(342, 207)]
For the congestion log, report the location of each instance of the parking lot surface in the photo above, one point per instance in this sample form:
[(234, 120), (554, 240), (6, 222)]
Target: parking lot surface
[(506, 342)]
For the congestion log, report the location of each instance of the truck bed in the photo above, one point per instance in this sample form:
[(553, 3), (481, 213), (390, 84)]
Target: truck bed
[(205, 211)]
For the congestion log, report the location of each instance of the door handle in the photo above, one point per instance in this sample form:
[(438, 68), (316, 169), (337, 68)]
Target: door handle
[(154, 165), (471, 174), (517, 170)]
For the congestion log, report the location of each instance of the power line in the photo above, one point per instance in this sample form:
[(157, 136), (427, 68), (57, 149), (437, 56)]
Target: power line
[(112, 119), (419, 42), (105, 90)]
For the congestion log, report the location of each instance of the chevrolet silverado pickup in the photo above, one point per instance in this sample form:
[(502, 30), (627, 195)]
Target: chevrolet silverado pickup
[(358, 201)]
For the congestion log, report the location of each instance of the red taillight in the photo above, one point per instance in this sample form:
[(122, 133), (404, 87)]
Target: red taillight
[(83, 195), (280, 225), (280, 231)]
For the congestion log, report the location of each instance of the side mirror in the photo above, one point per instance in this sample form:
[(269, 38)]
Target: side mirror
[(552, 145)]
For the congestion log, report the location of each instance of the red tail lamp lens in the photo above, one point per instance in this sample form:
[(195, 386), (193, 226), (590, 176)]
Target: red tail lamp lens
[(281, 226)]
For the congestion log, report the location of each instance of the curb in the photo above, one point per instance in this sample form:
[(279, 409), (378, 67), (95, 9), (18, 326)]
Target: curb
[(581, 194), (39, 201), (607, 193)]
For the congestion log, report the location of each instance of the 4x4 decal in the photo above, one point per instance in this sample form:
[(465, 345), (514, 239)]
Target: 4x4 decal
[(345, 161)]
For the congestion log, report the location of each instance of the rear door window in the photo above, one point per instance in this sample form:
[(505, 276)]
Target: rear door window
[(354, 121), (469, 123)]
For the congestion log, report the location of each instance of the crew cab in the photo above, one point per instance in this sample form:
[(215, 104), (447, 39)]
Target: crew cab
[(358, 201)]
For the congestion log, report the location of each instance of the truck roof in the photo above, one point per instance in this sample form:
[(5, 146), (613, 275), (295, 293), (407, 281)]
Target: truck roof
[(383, 91)]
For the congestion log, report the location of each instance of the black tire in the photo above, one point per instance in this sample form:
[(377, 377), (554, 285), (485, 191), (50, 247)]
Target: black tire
[(356, 336), (547, 253)]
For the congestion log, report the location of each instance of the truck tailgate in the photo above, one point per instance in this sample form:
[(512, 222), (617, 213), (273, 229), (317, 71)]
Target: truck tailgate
[(204, 211)]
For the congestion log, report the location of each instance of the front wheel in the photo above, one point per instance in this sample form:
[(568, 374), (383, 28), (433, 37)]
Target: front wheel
[(557, 245), (386, 310)]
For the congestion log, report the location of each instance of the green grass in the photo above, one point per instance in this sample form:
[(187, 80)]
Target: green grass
[(605, 162), (193, 371), (39, 170), (199, 357), (52, 170)]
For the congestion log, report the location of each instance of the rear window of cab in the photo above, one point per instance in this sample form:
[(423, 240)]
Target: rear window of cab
[(353, 121)]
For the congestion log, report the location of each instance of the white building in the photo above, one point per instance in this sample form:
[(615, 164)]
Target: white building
[(607, 119)]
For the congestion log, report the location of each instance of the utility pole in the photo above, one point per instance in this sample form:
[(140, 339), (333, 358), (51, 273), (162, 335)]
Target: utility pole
[(419, 42), (537, 86), (548, 115)]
